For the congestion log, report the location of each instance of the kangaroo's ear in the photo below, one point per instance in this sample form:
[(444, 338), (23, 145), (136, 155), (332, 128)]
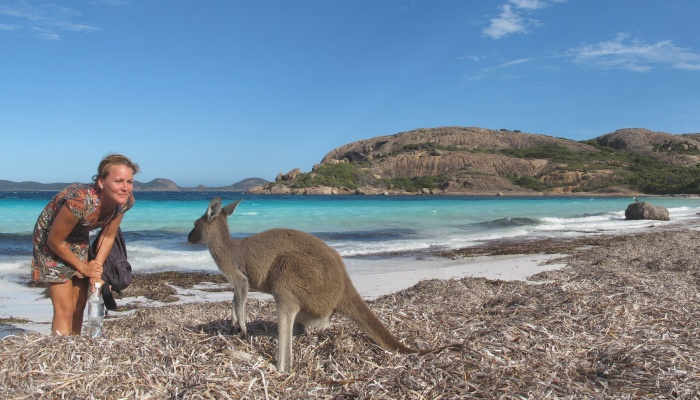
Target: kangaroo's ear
[(214, 208), (231, 207)]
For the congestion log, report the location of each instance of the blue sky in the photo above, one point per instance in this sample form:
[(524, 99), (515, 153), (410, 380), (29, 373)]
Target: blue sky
[(217, 91)]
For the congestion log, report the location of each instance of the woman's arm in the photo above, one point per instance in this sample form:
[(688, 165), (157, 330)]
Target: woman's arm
[(61, 227), (104, 246)]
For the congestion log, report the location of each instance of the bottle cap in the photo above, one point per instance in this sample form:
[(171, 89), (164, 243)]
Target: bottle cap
[(98, 285)]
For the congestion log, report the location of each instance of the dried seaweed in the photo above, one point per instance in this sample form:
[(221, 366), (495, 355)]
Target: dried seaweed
[(621, 321)]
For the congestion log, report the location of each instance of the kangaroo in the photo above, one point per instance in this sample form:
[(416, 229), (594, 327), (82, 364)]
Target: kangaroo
[(306, 277)]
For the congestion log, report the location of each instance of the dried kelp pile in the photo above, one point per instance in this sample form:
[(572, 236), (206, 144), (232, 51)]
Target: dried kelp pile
[(621, 321)]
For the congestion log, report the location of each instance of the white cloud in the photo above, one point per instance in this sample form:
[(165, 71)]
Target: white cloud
[(472, 58), (635, 55), (513, 17), (488, 71), (514, 62), (111, 3), (46, 34), (689, 67), (76, 27), (528, 4), (508, 22), (6, 27), (47, 19)]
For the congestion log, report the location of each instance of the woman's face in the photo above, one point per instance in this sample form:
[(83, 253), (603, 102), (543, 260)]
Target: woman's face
[(118, 184)]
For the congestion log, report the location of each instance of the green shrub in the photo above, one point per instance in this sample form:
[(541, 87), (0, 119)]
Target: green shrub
[(344, 175), (641, 172), (419, 146), (415, 184), (530, 182), (650, 175)]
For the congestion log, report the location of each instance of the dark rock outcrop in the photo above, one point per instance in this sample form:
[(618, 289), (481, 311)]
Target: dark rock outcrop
[(289, 176), (644, 210)]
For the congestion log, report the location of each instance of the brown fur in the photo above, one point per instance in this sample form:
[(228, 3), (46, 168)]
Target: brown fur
[(306, 277)]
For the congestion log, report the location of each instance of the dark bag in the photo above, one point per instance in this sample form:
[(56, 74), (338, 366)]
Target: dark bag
[(116, 270)]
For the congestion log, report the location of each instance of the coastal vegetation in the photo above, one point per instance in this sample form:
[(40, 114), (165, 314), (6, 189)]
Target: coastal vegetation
[(417, 183), (655, 177), (345, 175), (638, 171)]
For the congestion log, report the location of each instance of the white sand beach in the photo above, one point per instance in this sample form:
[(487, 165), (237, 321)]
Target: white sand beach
[(372, 277)]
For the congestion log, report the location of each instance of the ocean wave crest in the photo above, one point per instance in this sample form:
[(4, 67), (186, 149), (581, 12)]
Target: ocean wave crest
[(507, 222)]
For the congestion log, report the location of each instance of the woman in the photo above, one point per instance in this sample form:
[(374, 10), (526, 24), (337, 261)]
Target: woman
[(61, 238)]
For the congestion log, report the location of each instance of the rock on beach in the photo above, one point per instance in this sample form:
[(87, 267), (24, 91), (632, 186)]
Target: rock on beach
[(644, 210)]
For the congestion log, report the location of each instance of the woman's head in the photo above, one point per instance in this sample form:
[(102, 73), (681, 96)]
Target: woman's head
[(115, 177)]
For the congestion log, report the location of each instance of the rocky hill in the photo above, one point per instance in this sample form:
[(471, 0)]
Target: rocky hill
[(676, 149), (158, 184), (243, 186), (10, 186), (459, 160)]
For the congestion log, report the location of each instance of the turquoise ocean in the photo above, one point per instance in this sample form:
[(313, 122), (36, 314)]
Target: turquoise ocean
[(156, 227), (359, 227)]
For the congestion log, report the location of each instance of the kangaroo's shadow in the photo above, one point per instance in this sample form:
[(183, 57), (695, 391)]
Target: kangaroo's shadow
[(255, 328)]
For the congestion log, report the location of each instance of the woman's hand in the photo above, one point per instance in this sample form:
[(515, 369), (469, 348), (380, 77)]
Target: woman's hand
[(93, 270)]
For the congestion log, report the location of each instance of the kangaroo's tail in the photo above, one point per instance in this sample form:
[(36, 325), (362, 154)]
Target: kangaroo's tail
[(355, 307)]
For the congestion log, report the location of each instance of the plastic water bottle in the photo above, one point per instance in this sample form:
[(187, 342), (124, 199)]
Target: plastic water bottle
[(96, 312)]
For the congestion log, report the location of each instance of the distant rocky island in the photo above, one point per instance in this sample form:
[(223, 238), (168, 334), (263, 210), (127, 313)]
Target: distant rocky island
[(158, 184), (478, 161)]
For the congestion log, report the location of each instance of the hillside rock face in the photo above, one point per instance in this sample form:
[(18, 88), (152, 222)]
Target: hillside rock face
[(465, 139), (470, 158)]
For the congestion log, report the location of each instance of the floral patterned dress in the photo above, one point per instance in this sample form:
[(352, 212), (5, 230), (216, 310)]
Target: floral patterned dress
[(84, 202)]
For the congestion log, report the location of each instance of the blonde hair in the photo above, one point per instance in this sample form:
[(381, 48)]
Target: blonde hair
[(109, 161)]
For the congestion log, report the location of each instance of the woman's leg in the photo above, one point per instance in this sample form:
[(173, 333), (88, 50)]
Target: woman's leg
[(63, 300), (83, 286), (66, 301)]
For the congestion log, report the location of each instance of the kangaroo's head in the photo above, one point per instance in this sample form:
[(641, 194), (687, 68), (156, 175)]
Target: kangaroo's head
[(213, 223)]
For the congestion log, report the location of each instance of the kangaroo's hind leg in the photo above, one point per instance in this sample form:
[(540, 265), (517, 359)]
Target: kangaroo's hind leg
[(287, 309), (240, 297), (312, 322)]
